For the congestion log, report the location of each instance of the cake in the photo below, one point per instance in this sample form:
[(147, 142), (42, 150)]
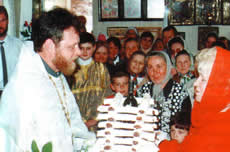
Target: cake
[(126, 129)]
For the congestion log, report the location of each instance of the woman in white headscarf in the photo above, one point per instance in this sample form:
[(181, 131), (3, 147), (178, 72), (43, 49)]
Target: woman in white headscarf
[(168, 94)]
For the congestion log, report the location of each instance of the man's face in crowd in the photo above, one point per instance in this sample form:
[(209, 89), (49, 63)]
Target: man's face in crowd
[(168, 35), (67, 51), (3, 25), (210, 41)]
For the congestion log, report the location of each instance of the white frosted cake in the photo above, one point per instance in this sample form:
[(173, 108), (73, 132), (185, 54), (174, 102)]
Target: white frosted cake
[(126, 129)]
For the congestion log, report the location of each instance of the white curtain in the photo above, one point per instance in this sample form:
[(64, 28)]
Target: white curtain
[(19, 11)]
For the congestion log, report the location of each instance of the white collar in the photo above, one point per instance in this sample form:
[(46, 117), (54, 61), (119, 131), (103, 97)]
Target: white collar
[(84, 62), (116, 60)]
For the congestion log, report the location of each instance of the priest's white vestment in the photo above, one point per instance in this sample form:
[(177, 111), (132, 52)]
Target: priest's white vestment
[(30, 109)]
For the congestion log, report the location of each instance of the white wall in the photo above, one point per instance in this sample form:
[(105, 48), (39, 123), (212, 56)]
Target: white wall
[(191, 32)]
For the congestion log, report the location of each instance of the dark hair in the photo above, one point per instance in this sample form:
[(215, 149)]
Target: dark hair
[(182, 52), (175, 40), (169, 28), (118, 75), (86, 37), (101, 43), (212, 34), (181, 120), (116, 41), (219, 43), (147, 34), (130, 39), (51, 25), (222, 38), (137, 53), (4, 11)]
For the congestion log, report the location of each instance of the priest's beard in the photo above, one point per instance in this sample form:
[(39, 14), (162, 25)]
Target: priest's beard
[(3, 33), (67, 67)]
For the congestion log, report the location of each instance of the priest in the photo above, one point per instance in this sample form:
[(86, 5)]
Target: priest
[(37, 104)]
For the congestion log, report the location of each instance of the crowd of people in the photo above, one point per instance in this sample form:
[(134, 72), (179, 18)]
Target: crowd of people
[(66, 73)]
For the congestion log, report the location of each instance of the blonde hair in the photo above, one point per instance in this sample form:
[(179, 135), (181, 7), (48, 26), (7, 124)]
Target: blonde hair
[(206, 58)]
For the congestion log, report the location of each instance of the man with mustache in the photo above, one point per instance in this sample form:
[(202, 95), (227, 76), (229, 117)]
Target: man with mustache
[(38, 104), (12, 47)]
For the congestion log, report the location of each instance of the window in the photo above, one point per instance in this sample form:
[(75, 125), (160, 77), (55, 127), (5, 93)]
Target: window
[(128, 10)]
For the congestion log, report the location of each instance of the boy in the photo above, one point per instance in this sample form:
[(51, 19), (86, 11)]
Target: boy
[(179, 126), (120, 83), (92, 82)]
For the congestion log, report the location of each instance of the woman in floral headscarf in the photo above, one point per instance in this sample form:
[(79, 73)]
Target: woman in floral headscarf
[(168, 94), (211, 113)]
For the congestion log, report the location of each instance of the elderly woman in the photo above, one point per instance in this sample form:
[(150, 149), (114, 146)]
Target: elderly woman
[(185, 76), (168, 94), (211, 112)]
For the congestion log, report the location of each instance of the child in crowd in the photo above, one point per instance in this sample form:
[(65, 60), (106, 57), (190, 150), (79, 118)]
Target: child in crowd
[(120, 83), (185, 75), (92, 82), (115, 63), (136, 70), (131, 45), (101, 53), (179, 126)]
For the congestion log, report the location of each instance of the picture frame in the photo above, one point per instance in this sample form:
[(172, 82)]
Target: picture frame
[(109, 9), (208, 12), (226, 13), (202, 34), (181, 12), (129, 10), (132, 8), (118, 32), (198, 12)]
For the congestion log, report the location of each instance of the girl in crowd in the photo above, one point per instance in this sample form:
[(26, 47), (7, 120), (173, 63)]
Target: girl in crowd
[(101, 53), (136, 69), (168, 94), (158, 45), (211, 113), (185, 76), (131, 45)]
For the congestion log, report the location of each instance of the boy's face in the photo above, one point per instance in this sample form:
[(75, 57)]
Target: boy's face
[(146, 42), (121, 84), (178, 134), (87, 50)]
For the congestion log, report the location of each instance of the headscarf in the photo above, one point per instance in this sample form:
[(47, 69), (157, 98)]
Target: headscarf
[(157, 88), (217, 93), (210, 118)]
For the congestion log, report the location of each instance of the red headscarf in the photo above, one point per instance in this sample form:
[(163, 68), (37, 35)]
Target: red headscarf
[(210, 130)]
